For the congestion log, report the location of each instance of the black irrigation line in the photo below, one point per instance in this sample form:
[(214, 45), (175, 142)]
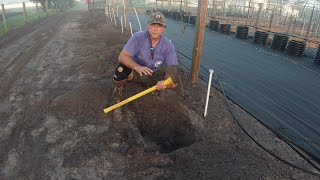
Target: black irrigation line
[(221, 89)]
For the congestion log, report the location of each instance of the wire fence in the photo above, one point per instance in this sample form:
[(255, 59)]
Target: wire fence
[(226, 65), (14, 16), (301, 22)]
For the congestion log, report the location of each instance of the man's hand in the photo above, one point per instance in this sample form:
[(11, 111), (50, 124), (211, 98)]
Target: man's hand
[(142, 70), (161, 86)]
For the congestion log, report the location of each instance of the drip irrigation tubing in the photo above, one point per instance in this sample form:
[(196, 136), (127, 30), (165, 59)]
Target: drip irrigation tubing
[(251, 137)]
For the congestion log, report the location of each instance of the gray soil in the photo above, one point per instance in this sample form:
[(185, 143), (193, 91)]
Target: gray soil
[(55, 79)]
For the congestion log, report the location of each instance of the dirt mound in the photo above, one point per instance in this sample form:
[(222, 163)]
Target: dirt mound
[(88, 99), (96, 67)]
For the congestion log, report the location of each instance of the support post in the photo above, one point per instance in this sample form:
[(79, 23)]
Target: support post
[(46, 6), (259, 15), (4, 18), (198, 40), (214, 8), (37, 9), (248, 13), (25, 12), (310, 22), (126, 10)]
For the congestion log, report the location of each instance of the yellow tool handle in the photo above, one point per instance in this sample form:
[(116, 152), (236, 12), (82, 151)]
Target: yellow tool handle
[(153, 88)]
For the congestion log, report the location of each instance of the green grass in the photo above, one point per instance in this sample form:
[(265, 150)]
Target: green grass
[(16, 17)]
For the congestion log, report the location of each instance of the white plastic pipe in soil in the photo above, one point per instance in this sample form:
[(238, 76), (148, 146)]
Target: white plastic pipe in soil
[(114, 17), (208, 93), (121, 24), (130, 28), (137, 18)]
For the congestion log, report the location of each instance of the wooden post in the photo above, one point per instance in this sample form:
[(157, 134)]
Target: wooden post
[(199, 34), (310, 22), (259, 15), (224, 9), (185, 5), (37, 9), (161, 4), (248, 13), (46, 6), (4, 18), (107, 6), (125, 8), (25, 12)]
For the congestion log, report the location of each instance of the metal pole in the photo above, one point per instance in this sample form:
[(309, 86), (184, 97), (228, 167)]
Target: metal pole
[(208, 93), (137, 18), (310, 23)]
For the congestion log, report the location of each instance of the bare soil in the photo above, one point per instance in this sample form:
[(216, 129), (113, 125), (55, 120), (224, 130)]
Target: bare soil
[(55, 79)]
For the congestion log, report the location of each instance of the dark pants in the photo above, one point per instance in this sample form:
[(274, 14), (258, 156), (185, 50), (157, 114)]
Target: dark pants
[(122, 73)]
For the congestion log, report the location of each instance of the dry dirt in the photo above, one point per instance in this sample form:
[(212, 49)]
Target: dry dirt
[(55, 79)]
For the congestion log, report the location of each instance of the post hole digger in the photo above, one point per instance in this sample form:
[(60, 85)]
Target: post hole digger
[(168, 81), (172, 77)]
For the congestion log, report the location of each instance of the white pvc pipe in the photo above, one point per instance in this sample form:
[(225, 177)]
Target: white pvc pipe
[(114, 17), (130, 28), (121, 24), (137, 18), (208, 93)]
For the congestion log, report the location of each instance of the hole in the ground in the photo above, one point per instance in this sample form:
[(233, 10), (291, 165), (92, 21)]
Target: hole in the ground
[(165, 126)]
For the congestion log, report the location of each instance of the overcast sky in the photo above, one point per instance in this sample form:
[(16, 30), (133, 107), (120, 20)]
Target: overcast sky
[(12, 1)]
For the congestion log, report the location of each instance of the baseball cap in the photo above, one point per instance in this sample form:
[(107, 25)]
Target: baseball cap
[(157, 18)]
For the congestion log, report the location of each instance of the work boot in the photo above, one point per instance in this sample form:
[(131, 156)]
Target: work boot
[(117, 94)]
